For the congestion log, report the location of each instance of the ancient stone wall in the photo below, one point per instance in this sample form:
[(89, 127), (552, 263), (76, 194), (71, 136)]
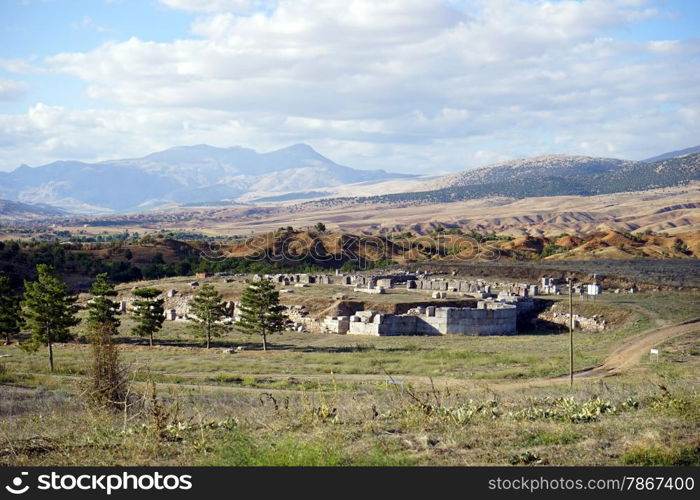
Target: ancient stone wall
[(488, 318)]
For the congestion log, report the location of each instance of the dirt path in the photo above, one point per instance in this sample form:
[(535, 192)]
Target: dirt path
[(632, 349), (626, 355)]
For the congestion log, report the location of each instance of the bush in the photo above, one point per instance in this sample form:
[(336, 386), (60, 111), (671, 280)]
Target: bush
[(552, 249), (107, 384), (680, 247)]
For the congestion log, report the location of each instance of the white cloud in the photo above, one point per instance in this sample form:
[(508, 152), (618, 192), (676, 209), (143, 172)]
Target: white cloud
[(46, 133), (216, 5), (11, 90), (396, 84), (89, 23)]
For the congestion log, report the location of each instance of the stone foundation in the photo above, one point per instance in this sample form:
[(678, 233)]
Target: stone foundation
[(488, 318)]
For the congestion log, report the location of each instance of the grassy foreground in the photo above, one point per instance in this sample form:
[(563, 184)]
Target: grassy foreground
[(343, 400)]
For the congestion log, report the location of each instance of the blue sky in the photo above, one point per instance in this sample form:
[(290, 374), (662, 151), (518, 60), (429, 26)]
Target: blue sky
[(35, 29), (418, 86)]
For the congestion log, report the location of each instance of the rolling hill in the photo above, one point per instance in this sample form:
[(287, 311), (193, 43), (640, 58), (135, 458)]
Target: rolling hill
[(335, 248), (555, 166), (552, 175), (17, 211)]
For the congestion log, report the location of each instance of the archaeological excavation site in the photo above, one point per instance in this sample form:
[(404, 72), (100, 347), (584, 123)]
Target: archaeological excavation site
[(399, 303)]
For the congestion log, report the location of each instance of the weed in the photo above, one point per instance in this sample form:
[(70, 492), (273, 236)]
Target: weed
[(527, 458), (673, 405), (319, 407), (161, 416), (654, 455), (565, 409)]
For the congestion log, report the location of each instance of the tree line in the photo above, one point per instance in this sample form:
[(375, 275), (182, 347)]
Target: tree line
[(47, 312), (19, 258)]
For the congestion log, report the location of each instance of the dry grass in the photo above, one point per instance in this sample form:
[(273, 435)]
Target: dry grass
[(325, 400)]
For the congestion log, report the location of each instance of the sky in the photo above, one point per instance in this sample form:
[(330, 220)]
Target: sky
[(415, 86)]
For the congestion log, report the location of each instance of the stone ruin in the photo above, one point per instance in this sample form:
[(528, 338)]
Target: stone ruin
[(595, 323), (487, 318), (175, 307), (476, 288), (372, 289)]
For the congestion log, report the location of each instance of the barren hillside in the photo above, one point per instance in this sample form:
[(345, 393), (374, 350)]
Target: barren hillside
[(669, 209)]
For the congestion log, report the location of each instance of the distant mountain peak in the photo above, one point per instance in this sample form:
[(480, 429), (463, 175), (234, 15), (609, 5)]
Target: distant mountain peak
[(300, 146), (298, 150), (183, 174)]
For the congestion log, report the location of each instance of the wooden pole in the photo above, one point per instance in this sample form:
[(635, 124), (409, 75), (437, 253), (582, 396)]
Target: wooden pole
[(571, 332)]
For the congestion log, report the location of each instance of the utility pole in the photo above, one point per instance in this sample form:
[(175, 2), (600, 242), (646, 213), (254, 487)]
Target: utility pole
[(571, 331)]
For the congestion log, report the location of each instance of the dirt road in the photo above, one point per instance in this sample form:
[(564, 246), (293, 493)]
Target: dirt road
[(632, 349)]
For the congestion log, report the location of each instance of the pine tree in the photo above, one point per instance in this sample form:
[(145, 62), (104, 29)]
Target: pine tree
[(149, 313), (102, 310), (48, 311), (10, 312), (208, 309), (261, 312)]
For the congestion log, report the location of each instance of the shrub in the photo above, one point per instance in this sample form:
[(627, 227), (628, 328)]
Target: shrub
[(551, 249), (107, 384)]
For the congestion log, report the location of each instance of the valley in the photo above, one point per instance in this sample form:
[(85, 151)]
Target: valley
[(425, 319)]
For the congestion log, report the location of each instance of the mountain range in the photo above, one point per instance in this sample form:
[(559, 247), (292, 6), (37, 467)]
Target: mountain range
[(551, 175), (180, 175), (204, 175)]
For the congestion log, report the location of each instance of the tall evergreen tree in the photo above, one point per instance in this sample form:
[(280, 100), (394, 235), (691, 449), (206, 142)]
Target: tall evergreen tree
[(102, 310), (10, 312), (48, 310), (208, 310), (261, 312), (149, 312)]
